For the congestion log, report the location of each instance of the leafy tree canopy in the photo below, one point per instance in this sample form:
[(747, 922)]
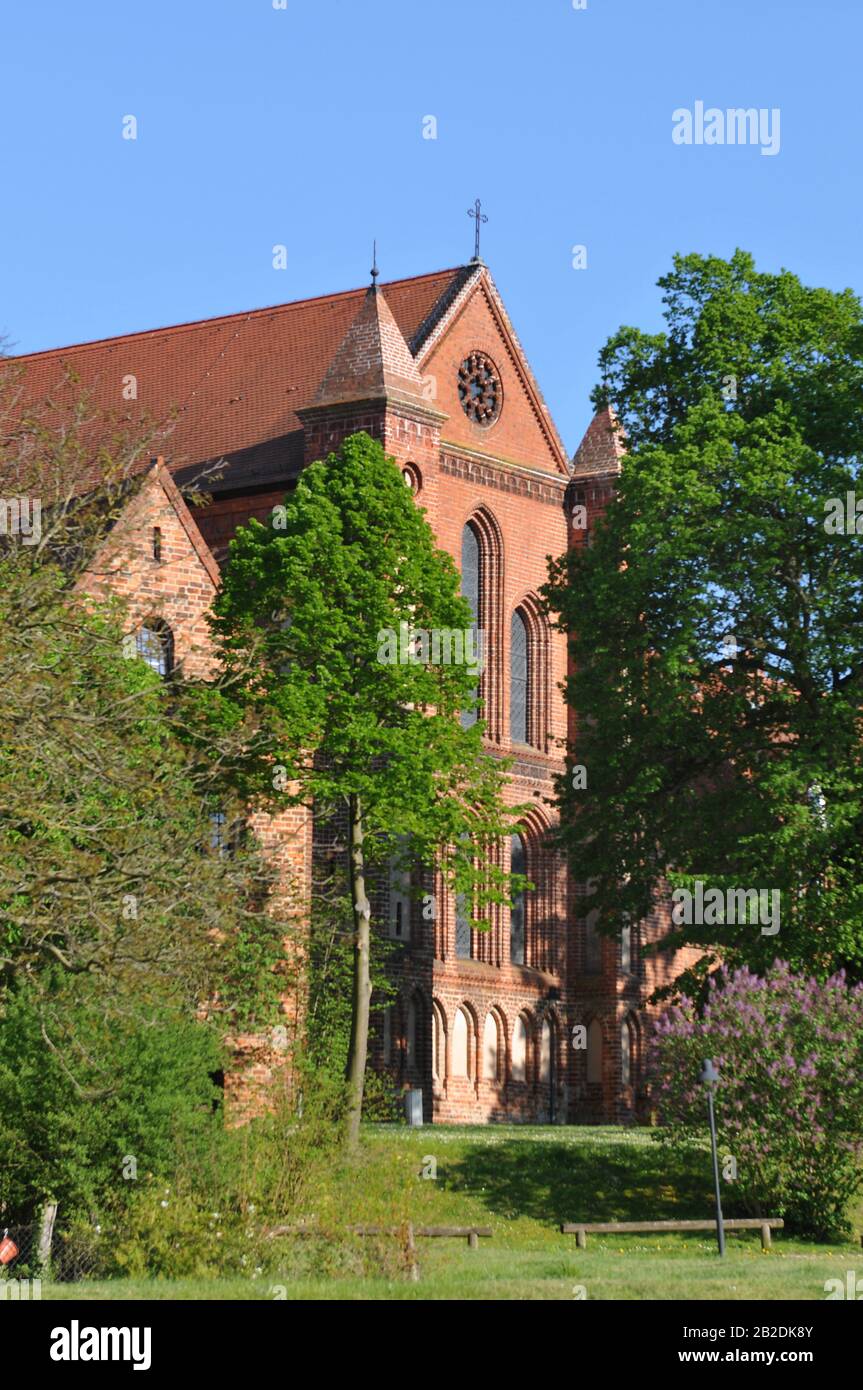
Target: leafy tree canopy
[(364, 670), (337, 592), (717, 621)]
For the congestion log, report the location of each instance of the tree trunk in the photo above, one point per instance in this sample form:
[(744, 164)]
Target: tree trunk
[(362, 986)]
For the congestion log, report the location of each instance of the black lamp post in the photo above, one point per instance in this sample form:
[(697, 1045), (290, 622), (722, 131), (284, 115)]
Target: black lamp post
[(709, 1077)]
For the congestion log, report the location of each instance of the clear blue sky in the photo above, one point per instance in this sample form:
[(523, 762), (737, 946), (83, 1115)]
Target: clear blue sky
[(303, 126)]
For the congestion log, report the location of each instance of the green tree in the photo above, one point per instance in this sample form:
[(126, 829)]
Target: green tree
[(717, 622), (345, 591), (110, 777)]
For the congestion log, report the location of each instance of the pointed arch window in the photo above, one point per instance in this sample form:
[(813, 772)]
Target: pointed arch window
[(490, 1050), (518, 911), (400, 895), (438, 1042), (546, 1053), (464, 918), (461, 1032), (471, 587), (625, 1054), (519, 677), (519, 1050), (626, 947), (592, 943), (462, 926), (482, 564)]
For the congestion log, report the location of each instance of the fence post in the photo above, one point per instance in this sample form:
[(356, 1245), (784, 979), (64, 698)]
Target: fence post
[(411, 1251), (47, 1218)]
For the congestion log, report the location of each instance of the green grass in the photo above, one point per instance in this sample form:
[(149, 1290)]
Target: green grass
[(523, 1181)]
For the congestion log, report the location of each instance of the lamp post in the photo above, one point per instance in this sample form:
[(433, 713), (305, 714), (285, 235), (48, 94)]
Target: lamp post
[(709, 1077)]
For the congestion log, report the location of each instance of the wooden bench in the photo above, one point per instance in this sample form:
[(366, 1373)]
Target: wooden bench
[(470, 1233), (581, 1229)]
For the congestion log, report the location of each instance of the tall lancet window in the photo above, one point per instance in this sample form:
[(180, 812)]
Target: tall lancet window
[(463, 938), (519, 680), (517, 861), (471, 580)]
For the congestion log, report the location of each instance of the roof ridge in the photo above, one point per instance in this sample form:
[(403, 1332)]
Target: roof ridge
[(171, 328), (461, 276)]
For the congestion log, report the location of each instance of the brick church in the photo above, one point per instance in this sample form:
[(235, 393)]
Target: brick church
[(540, 1018)]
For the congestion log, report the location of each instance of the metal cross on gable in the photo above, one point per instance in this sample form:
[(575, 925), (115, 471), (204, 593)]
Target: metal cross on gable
[(479, 216)]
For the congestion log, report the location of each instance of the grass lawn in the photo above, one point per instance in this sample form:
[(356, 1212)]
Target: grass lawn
[(523, 1181)]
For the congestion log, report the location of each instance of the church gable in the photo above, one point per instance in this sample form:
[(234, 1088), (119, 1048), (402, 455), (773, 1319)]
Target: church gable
[(157, 560), (473, 359)]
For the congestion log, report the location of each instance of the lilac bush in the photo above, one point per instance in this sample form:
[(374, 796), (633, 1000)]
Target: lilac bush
[(789, 1103)]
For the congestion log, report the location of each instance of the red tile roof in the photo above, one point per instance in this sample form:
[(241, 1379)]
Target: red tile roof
[(230, 387)]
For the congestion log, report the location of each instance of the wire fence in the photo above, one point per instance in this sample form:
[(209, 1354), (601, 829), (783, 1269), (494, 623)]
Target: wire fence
[(29, 1252)]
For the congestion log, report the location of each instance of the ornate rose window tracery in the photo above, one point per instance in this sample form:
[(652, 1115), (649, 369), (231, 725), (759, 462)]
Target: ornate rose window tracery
[(479, 389)]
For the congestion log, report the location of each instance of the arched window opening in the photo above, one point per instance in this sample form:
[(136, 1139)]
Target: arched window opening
[(546, 1052), (626, 948), (594, 1052), (592, 943), (411, 1035), (400, 898), (154, 643), (471, 587), (463, 919), (520, 679), (438, 1043), (625, 1054), (461, 1044), (519, 1050), (518, 911), (462, 926), (490, 1062)]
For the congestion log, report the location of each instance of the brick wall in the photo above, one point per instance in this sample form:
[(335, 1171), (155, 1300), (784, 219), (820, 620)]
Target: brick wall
[(509, 482)]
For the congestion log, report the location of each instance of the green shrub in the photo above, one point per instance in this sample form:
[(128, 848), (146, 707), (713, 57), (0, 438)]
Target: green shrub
[(99, 1100)]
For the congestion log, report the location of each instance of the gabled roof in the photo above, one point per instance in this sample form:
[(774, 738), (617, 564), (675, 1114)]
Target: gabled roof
[(156, 475), (477, 278), (231, 387), (162, 476)]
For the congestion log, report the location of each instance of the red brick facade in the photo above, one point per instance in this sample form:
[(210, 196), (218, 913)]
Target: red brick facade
[(485, 1037)]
